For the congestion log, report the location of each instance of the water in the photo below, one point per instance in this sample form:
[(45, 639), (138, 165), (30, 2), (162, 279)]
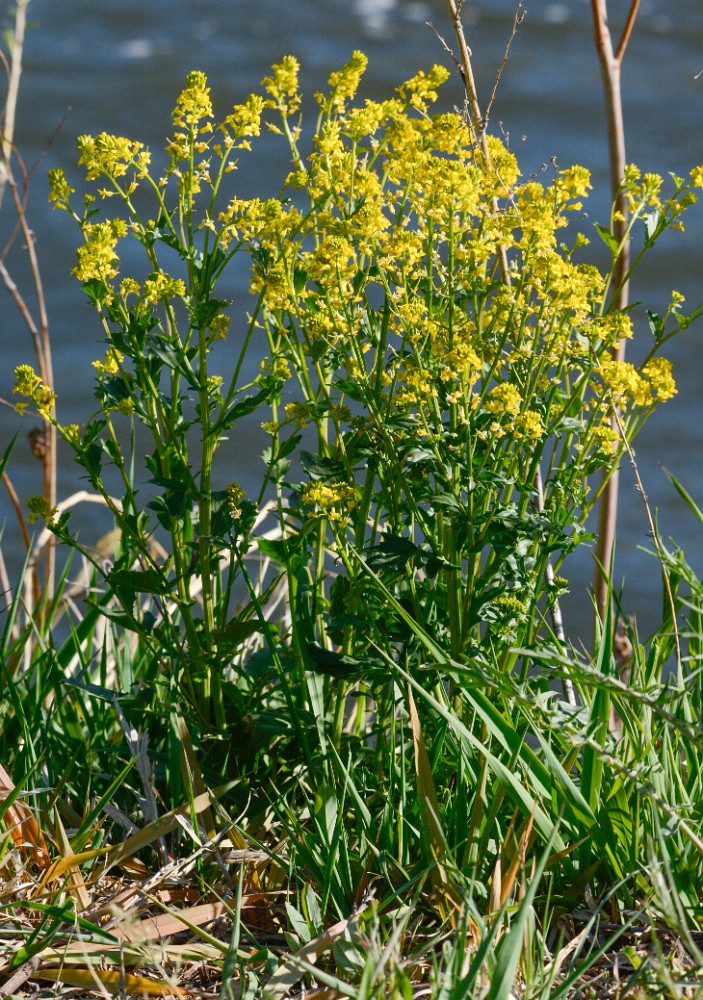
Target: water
[(119, 67)]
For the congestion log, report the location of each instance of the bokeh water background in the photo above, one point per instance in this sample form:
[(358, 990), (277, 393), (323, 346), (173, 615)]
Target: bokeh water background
[(119, 66)]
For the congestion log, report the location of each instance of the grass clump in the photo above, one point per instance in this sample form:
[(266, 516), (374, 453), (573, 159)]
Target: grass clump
[(332, 729)]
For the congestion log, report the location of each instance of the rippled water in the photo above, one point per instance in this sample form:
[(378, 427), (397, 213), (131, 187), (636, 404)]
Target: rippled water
[(119, 66)]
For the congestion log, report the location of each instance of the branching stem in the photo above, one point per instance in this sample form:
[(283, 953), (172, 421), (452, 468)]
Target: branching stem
[(610, 59)]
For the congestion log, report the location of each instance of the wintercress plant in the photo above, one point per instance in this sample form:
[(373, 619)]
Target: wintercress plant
[(425, 394)]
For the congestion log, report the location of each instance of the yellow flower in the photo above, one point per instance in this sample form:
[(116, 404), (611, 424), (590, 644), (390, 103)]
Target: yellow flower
[(417, 385), (129, 286), (112, 155), (327, 497), (606, 437), (421, 90), (572, 183), (59, 189), (653, 384), (40, 508), (504, 400), (235, 495), (345, 82), (300, 414), (97, 256), (28, 383), (657, 371), (71, 433), (245, 119), (194, 104), (529, 425), (364, 121), (283, 85), (219, 326), (503, 170), (622, 379), (162, 286), (111, 364)]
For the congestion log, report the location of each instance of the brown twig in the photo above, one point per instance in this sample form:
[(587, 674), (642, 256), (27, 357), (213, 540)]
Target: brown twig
[(17, 507), (14, 71), (627, 30), (25, 972), (610, 63), (518, 18), (37, 319), (446, 47), (476, 119), (467, 73)]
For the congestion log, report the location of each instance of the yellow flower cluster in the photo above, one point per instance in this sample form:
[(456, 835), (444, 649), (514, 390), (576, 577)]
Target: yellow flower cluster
[(655, 383), (97, 256), (111, 363), (657, 372), (112, 156), (162, 286), (40, 509), (60, 190), (344, 83), (29, 384), (235, 495), (504, 399), (194, 106), (380, 268), (299, 414), (333, 501), (570, 186), (219, 326), (71, 433), (421, 90), (283, 85), (506, 403), (129, 286), (266, 221)]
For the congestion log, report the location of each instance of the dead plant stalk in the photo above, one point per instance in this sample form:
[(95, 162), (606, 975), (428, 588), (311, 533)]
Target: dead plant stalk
[(37, 319), (610, 59)]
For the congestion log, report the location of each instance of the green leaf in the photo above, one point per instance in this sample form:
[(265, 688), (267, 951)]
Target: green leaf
[(393, 554), (235, 632), (608, 238), (172, 357), (140, 581), (205, 312), (325, 661), (319, 467), (275, 548), (244, 407)]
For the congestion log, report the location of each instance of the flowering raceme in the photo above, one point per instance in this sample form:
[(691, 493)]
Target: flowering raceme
[(98, 255), (426, 332), (29, 384), (112, 156)]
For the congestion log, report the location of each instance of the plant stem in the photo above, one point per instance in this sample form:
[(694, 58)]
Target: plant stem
[(611, 62), (13, 85)]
